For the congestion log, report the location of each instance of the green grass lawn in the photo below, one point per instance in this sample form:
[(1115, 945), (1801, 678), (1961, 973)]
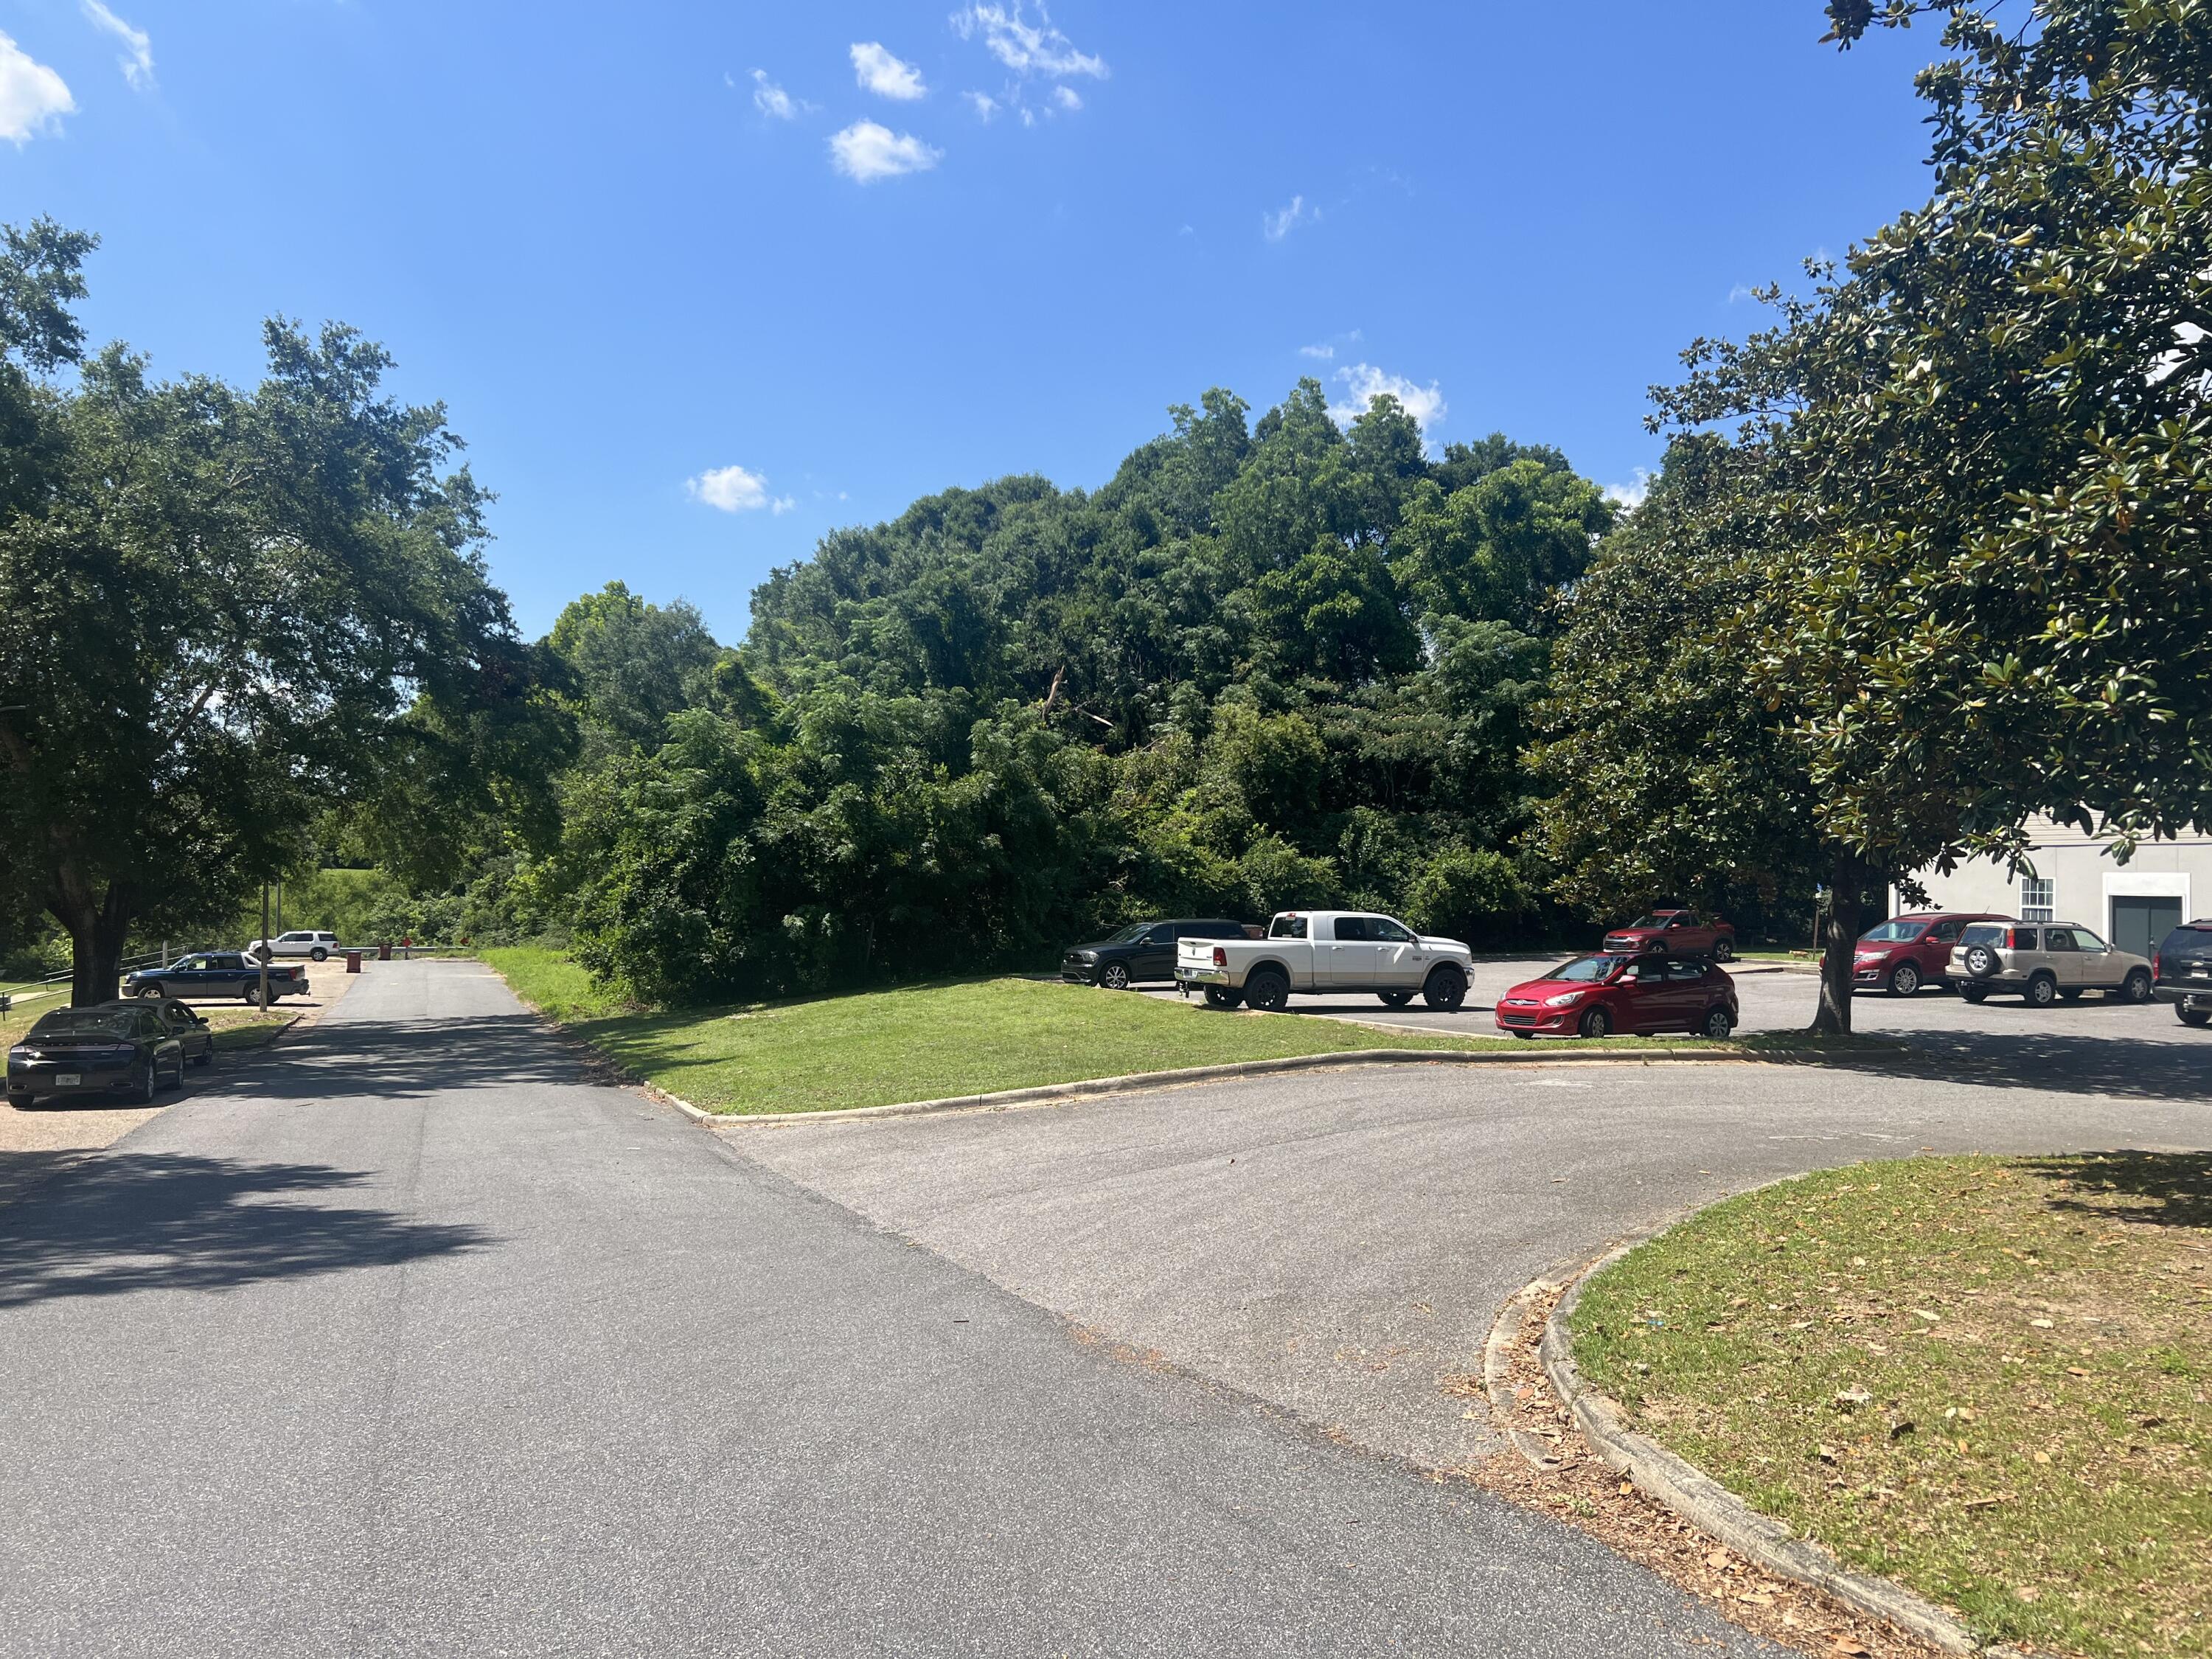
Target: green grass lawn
[(918, 1042), (1985, 1377)]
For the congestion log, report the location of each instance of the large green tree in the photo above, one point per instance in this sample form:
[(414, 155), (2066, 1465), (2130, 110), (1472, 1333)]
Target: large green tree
[(1972, 464), (222, 611)]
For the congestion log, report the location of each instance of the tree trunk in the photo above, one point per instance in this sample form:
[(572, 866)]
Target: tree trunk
[(97, 929), (1847, 903)]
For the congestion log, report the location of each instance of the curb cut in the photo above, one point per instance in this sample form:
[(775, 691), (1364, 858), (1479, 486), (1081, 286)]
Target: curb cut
[(1695, 1496), (1142, 1080)]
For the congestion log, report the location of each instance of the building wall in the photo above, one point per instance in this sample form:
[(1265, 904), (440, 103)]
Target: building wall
[(2084, 877)]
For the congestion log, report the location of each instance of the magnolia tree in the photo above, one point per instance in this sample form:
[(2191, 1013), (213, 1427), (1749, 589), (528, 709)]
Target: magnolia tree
[(1969, 475)]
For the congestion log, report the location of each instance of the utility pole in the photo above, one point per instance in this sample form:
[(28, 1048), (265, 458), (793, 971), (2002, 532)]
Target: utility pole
[(263, 953)]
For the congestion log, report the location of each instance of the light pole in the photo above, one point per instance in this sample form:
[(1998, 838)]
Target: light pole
[(263, 951)]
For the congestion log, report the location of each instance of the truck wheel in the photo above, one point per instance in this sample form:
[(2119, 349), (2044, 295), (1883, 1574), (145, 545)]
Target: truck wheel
[(1906, 981), (1595, 1023), (1724, 948), (2138, 987), (1972, 993), (1981, 961), (2200, 1018), (319, 954), (1220, 996), (1114, 976), (2042, 991), (1445, 991), (1267, 990), (1719, 1024), (1394, 998)]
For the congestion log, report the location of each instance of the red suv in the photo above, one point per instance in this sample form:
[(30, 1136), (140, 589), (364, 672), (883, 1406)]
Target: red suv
[(1907, 953), (1596, 996), (1677, 932)]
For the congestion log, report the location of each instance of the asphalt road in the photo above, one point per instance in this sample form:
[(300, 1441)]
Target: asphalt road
[(412, 1341)]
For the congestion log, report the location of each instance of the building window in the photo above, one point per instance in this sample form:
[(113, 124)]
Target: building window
[(2039, 899)]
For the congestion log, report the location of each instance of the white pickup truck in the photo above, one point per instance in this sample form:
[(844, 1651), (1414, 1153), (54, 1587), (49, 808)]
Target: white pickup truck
[(1326, 950)]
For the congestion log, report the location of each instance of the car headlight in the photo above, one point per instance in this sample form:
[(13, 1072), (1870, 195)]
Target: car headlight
[(1565, 1000)]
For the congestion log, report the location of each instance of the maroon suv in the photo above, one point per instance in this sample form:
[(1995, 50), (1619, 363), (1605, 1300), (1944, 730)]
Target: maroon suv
[(1907, 953), (1676, 933)]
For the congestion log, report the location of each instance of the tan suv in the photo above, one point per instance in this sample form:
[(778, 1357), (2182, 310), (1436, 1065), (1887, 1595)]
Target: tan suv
[(2042, 962)]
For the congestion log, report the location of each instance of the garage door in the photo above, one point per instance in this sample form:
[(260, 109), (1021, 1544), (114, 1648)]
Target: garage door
[(2138, 924)]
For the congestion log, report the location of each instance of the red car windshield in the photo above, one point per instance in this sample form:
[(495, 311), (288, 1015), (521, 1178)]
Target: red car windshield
[(1587, 970), (1895, 932), (1650, 921)]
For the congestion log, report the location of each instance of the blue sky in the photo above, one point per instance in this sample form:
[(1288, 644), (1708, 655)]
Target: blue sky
[(634, 248)]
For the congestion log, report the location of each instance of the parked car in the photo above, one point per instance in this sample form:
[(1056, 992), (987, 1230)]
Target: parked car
[(2042, 962), (1907, 952), (1675, 933), (80, 1051), (1632, 992), (315, 946), (193, 1034), (215, 974), (1322, 950), (2181, 972), (1142, 950)]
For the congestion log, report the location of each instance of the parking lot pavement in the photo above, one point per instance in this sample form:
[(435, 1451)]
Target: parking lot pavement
[(1338, 1243), (1783, 999)]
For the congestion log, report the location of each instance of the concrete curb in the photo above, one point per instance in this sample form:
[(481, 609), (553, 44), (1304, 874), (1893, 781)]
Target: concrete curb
[(1140, 1080), (1706, 1503)]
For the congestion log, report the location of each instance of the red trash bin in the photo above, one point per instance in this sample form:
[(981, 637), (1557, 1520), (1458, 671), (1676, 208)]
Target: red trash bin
[(353, 961), (384, 951)]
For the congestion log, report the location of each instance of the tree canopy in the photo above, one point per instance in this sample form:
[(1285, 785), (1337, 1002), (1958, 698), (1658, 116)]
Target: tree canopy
[(226, 611)]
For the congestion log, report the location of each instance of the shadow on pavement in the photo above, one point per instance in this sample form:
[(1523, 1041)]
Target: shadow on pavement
[(125, 1222), (2124, 1069), (2178, 1183), (402, 1060)]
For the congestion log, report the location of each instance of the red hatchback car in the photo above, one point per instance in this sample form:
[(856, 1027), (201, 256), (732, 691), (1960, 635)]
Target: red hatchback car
[(1596, 996), (1678, 932), (1907, 953)]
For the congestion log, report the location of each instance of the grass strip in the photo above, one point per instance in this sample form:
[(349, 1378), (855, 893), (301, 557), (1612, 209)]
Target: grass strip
[(1984, 1377), (918, 1042)]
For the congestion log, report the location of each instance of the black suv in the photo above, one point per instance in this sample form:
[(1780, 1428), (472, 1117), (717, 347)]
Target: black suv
[(1141, 951), (2182, 970)]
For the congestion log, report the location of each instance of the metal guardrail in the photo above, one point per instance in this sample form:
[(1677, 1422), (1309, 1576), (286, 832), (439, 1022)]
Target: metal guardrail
[(54, 984)]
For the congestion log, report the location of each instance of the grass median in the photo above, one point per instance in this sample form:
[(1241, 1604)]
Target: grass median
[(1985, 1377), (917, 1042)]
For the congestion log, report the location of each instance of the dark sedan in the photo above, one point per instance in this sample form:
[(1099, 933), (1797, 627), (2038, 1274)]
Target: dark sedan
[(192, 1033), (1142, 950), (216, 973), (127, 1049)]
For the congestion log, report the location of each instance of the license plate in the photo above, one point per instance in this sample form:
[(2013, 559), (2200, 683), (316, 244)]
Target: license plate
[(68, 1079)]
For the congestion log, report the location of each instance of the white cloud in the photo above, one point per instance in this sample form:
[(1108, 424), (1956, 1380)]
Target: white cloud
[(1364, 382), (782, 505), (1276, 226), (1067, 98), (1027, 48), (137, 60), (733, 490), (1324, 351), (1631, 495), (866, 152), (33, 97), (773, 101), (986, 105), (886, 77)]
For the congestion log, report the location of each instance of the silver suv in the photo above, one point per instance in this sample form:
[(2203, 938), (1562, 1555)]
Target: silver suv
[(2042, 962)]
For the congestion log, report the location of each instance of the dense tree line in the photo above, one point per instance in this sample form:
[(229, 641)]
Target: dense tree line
[(1270, 662)]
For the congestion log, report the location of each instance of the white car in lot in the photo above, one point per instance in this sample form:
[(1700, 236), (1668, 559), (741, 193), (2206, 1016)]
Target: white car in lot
[(1308, 951), (315, 946)]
